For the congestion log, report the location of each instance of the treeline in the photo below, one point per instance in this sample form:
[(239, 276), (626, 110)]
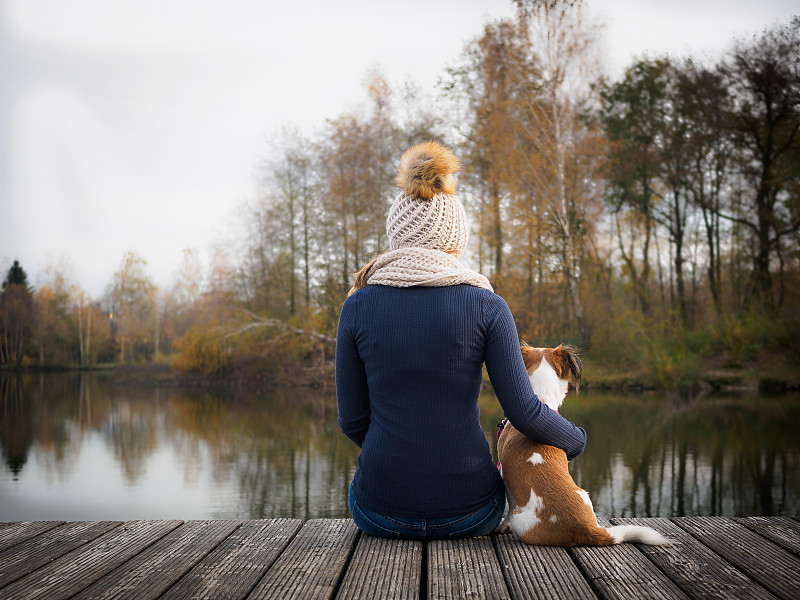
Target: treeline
[(653, 220), (59, 324)]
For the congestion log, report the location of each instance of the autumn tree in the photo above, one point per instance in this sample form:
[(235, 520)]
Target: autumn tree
[(80, 305), (93, 326), (184, 301), (286, 216), (522, 86), (489, 83), (220, 296), (562, 43), (53, 315), (203, 345), (358, 156), (131, 296)]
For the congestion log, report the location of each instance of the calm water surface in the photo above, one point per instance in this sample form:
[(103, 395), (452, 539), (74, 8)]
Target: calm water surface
[(74, 447)]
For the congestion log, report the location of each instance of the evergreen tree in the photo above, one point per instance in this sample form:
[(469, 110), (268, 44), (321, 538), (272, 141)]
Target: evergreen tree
[(16, 315), (16, 276)]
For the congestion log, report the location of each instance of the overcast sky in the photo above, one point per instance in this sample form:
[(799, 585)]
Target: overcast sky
[(139, 124)]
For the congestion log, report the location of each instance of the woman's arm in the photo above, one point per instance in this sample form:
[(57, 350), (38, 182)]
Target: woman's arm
[(352, 395), (513, 387)]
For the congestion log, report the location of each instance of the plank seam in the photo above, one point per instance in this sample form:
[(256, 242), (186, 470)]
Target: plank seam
[(122, 565), (591, 581), (678, 584), (762, 534), (678, 521), (201, 558), (55, 525), (346, 565), (90, 574), (503, 566), (21, 574), (423, 577), (274, 559), (616, 521)]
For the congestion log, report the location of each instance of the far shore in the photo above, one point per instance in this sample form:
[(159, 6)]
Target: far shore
[(55, 368), (252, 374)]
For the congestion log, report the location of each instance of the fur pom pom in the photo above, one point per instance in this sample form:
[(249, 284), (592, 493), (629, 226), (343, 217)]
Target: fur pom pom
[(426, 170)]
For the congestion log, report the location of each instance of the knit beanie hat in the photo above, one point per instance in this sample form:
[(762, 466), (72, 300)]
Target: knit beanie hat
[(427, 213)]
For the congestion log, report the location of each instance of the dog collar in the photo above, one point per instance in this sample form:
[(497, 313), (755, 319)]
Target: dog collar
[(500, 427)]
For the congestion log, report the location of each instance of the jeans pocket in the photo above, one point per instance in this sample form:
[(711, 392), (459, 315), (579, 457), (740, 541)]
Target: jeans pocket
[(482, 526), (368, 525)]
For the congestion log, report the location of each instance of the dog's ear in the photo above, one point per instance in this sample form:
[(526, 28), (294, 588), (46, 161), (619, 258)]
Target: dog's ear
[(568, 356), (531, 356)]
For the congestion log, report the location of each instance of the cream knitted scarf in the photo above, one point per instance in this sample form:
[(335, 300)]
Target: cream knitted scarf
[(413, 266)]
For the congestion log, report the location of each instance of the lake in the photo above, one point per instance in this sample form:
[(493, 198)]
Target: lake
[(74, 447)]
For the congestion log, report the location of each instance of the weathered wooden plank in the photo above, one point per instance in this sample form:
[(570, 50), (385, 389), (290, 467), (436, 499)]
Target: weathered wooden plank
[(313, 564), (622, 571), (19, 560), (148, 574), (234, 567), (696, 569), (783, 531), (19, 531), (383, 568), (540, 572), (465, 568), (76, 570), (768, 564)]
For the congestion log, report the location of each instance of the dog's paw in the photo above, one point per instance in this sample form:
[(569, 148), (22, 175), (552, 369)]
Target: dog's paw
[(504, 527)]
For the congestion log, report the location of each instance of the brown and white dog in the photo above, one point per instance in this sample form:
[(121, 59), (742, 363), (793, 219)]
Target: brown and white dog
[(553, 510)]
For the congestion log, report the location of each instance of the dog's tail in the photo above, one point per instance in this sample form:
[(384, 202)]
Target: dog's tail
[(638, 534)]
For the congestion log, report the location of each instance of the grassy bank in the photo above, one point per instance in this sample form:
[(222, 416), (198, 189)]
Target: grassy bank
[(766, 372), (246, 372), (30, 368)]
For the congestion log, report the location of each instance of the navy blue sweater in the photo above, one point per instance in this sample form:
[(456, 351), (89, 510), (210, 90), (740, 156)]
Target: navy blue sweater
[(408, 374)]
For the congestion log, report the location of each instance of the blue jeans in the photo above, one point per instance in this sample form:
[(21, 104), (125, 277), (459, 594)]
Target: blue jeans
[(480, 522)]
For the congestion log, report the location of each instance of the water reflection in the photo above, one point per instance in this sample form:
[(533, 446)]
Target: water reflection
[(75, 447), (735, 455)]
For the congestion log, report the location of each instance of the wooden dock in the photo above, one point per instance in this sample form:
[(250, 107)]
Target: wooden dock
[(713, 557)]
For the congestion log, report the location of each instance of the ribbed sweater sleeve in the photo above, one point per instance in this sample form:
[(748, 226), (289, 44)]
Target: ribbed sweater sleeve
[(512, 386), (353, 408)]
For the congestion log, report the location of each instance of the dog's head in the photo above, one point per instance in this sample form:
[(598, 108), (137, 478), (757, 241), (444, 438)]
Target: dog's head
[(550, 371)]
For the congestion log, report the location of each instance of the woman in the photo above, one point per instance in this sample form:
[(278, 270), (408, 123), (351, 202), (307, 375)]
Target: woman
[(413, 337)]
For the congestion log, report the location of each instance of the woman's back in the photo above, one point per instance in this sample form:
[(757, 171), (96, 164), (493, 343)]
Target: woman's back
[(420, 351)]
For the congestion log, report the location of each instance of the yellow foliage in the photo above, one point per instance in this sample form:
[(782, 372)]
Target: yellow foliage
[(200, 349)]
